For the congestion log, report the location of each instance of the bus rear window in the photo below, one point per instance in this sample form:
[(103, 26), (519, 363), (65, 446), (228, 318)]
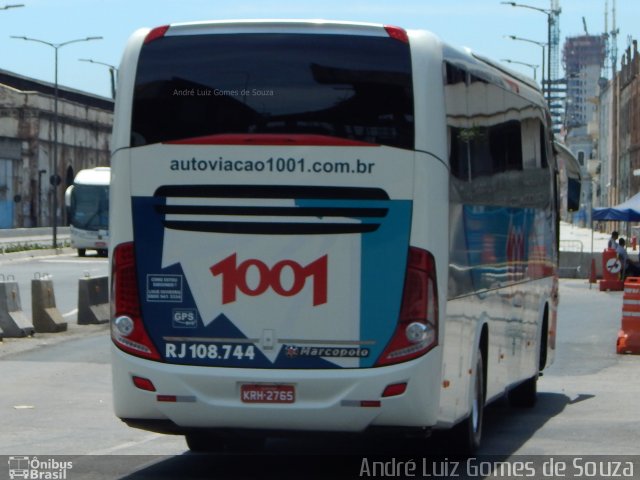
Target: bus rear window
[(345, 86)]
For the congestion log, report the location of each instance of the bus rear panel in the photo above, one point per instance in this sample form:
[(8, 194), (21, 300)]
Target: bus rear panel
[(262, 260)]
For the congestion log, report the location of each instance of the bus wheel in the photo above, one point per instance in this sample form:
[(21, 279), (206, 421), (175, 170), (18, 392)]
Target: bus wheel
[(525, 394), (468, 434), (82, 252)]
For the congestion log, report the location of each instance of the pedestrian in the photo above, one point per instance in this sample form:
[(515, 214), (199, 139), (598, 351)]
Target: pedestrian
[(613, 241), (629, 267)]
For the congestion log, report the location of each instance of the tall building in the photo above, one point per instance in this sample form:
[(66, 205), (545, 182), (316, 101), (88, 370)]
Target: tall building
[(629, 122), (583, 58)]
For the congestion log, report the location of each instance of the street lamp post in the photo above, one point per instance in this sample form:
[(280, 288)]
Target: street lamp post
[(542, 45), (550, 13), (7, 7), (55, 178), (530, 65), (113, 71), (40, 173)]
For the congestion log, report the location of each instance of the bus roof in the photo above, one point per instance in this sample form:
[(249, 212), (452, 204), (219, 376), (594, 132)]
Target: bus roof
[(93, 176), (494, 72), (274, 25)]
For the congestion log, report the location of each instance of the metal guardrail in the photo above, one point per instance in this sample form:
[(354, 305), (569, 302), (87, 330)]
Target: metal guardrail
[(576, 246), (571, 246)]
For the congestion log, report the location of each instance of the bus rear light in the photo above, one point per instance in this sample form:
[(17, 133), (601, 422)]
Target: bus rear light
[(397, 33), (124, 325), (395, 390), (127, 329), (143, 384), (417, 329), (156, 33), (167, 398)]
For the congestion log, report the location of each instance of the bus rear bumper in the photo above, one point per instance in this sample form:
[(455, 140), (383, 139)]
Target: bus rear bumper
[(191, 398), (168, 427), (89, 239)]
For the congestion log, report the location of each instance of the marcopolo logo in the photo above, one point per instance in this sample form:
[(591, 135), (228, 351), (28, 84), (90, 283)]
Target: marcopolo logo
[(38, 469), (287, 278)]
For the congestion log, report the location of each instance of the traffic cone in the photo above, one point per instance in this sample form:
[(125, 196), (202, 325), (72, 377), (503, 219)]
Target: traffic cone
[(629, 335)]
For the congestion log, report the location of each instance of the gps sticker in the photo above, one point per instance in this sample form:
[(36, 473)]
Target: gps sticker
[(184, 318)]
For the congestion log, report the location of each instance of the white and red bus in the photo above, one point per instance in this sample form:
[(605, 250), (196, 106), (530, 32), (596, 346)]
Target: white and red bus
[(326, 226)]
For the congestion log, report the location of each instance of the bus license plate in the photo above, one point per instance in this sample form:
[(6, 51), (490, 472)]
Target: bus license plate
[(256, 393)]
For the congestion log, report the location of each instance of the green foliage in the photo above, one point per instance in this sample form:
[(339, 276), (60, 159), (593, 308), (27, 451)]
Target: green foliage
[(25, 247)]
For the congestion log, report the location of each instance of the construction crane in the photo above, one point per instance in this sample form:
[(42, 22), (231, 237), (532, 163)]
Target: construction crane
[(614, 43), (611, 37), (554, 40), (584, 24)]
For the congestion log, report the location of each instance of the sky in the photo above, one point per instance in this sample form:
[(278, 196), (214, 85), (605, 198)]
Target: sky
[(479, 24)]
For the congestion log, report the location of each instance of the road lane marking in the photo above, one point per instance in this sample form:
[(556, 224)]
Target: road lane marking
[(122, 446)]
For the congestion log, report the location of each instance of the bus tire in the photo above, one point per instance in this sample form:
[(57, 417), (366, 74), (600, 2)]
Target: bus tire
[(525, 395), (467, 435), (82, 252)]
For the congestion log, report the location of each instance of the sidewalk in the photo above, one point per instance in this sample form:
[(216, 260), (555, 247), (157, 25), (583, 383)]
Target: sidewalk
[(33, 236), (576, 251)]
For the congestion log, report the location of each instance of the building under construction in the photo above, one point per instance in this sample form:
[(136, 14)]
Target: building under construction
[(583, 59)]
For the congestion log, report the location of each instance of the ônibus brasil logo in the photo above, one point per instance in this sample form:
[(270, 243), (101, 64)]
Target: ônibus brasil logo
[(234, 278), (37, 469)]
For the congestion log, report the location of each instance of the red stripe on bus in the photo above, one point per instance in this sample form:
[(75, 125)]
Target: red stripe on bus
[(270, 139)]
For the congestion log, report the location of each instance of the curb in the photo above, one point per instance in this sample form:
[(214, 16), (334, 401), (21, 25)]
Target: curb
[(9, 257)]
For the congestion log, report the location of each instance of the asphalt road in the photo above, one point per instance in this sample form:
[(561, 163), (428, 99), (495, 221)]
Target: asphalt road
[(56, 400)]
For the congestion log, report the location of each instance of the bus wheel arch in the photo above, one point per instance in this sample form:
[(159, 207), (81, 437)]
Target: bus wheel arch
[(525, 395), (467, 435)]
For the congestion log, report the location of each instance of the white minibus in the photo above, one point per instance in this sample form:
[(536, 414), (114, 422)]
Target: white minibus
[(87, 203)]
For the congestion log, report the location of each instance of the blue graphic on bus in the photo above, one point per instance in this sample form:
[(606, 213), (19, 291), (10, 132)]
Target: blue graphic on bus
[(183, 336)]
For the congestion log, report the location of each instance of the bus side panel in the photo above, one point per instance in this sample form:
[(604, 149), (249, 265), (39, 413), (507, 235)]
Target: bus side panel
[(120, 224), (502, 227)]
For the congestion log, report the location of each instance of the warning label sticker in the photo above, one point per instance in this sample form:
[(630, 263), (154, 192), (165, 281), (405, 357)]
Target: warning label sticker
[(164, 288)]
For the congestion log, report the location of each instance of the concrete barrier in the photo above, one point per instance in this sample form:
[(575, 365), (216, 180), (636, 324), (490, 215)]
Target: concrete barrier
[(13, 321), (46, 316), (93, 300)]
